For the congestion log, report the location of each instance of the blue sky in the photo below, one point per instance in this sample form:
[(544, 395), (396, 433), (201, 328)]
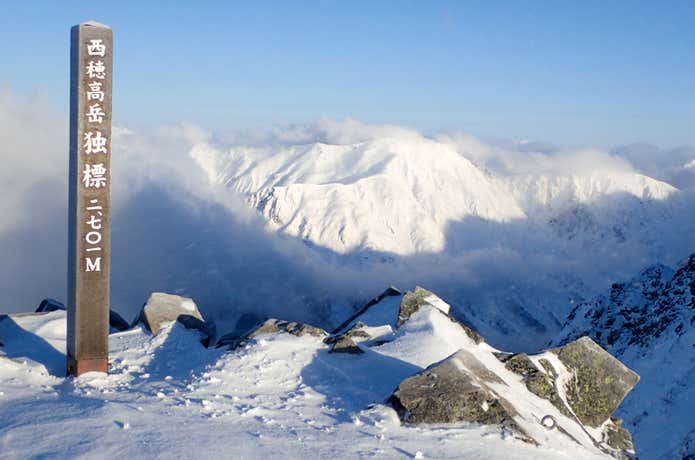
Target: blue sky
[(574, 73)]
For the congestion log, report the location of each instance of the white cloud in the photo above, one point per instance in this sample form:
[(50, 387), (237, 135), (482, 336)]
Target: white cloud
[(672, 165), (528, 157), (33, 151)]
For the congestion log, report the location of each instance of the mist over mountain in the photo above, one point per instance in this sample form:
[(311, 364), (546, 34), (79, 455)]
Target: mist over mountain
[(314, 219), (675, 166), (511, 237)]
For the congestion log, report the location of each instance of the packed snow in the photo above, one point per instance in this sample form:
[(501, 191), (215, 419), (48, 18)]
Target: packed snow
[(279, 396)]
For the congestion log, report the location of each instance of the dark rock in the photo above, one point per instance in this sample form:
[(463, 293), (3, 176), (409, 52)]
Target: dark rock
[(503, 356), (300, 329), (276, 325), (230, 341), (270, 326), (540, 383), (117, 322), (49, 305), (599, 382), (413, 301), (247, 321), (356, 331), (520, 364), (452, 391), (618, 437), (389, 292), (345, 345)]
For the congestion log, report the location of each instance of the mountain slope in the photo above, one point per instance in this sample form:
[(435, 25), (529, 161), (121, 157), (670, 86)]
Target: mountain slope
[(388, 195), (398, 195), (648, 323)]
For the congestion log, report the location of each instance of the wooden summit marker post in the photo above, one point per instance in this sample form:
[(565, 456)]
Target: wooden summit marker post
[(89, 198)]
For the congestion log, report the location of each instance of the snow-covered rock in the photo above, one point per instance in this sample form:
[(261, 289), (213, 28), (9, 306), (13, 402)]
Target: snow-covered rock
[(453, 391), (270, 326), (580, 385), (345, 344), (162, 309)]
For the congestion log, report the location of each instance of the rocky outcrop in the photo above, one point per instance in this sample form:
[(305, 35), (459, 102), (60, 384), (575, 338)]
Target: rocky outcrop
[(271, 326), (596, 386), (162, 309), (453, 391), (583, 382), (648, 323), (542, 383), (414, 301), (116, 321), (598, 382), (580, 380), (393, 315), (49, 305), (391, 291), (345, 345)]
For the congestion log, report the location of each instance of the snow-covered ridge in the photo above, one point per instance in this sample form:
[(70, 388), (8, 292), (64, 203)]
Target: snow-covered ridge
[(555, 192), (400, 194), (284, 390), (387, 195)]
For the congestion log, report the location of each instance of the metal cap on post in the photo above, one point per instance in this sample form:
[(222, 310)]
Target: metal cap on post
[(91, 70)]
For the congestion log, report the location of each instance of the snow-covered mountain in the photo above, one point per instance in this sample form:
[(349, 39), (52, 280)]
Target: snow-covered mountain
[(511, 249), (400, 195), (387, 195), (648, 323)]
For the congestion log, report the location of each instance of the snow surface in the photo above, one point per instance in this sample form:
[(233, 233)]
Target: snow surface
[(280, 396)]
